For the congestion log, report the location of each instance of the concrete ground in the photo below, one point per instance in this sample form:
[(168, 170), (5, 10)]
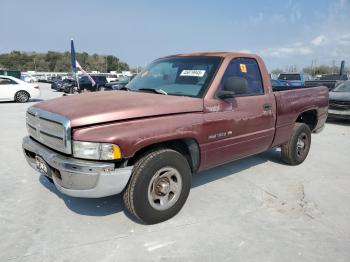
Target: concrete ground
[(256, 209)]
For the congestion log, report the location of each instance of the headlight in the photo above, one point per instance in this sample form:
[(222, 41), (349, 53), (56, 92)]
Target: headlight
[(97, 151)]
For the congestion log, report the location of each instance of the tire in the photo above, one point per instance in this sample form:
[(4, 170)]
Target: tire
[(295, 151), (22, 96), (153, 178)]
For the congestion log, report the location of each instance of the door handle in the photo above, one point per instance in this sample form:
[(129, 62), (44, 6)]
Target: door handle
[(267, 107)]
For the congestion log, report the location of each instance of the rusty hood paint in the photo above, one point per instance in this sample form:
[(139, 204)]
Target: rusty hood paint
[(99, 107)]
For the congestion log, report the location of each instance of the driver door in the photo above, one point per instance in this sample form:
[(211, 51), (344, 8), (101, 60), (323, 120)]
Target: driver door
[(7, 89), (243, 125)]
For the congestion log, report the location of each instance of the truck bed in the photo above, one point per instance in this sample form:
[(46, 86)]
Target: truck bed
[(284, 88), (291, 101)]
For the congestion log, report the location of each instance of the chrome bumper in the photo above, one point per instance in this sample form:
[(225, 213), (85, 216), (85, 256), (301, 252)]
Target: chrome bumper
[(341, 114), (75, 177)]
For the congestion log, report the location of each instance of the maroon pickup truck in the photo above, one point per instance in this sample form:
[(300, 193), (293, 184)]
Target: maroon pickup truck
[(180, 115)]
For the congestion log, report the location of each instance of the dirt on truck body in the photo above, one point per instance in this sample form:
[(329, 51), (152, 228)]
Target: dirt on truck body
[(180, 115)]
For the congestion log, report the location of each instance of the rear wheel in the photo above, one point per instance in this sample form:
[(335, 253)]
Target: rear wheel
[(295, 151), (159, 186), (22, 96)]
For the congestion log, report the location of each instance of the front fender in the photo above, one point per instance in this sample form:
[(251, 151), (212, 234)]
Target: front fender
[(133, 135)]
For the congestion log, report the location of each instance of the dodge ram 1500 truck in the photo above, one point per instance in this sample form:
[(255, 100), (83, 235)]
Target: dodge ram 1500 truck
[(180, 115)]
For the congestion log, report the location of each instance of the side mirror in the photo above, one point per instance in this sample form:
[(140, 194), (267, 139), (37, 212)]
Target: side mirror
[(223, 94)]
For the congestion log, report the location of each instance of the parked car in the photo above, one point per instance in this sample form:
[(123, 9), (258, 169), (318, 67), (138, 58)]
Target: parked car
[(14, 89), (56, 84), (116, 85), (111, 78), (329, 80), (332, 77), (62, 85), (339, 101), (29, 78), (292, 79), (277, 84), (181, 114), (86, 85)]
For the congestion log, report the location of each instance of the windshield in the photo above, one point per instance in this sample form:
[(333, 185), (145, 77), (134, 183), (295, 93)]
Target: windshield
[(289, 77), (183, 76), (343, 87)]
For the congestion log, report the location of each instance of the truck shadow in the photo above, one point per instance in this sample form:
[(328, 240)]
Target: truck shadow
[(114, 204), (233, 168), (36, 100), (30, 101), (87, 206)]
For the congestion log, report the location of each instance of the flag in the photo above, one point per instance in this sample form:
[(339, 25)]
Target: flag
[(72, 56), (84, 73), (76, 65)]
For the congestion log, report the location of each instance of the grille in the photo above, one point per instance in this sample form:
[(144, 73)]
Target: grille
[(51, 129), (339, 105)]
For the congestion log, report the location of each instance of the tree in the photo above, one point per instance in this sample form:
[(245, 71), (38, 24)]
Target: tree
[(113, 63), (276, 71), (60, 61), (323, 69)]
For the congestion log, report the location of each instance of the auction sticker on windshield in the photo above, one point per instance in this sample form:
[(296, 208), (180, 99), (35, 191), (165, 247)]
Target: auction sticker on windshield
[(198, 73)]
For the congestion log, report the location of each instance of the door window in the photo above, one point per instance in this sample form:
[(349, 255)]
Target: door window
[(6, 81), (248, 69), (84, 80)]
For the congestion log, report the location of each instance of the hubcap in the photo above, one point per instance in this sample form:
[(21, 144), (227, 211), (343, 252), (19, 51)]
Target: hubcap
[(164, 188), (22, 97), (302, 144)]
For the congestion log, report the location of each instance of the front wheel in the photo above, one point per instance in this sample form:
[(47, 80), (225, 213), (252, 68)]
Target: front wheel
[(295, 151), (159, 186)]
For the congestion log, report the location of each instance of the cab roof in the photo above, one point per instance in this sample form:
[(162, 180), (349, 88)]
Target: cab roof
[(217, 54)]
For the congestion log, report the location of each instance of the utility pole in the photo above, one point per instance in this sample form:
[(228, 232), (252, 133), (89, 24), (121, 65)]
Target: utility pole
[(34, 64), (315, 66), (312, 66), (106, 64)]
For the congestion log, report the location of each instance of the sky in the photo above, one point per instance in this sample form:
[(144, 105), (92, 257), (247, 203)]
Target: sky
[(284, 33)]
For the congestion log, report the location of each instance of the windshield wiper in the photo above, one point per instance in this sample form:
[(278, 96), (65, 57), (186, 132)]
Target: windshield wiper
[(157, 91)]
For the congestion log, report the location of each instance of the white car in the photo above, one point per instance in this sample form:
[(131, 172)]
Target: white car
[(14, 89), (111, 78), (29, 78)]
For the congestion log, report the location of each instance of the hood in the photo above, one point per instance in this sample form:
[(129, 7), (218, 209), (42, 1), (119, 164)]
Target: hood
[(339, 96), (100, 107)]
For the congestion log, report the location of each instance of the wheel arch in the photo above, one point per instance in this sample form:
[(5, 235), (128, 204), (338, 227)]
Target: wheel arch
[(308, 117), (188, 147)]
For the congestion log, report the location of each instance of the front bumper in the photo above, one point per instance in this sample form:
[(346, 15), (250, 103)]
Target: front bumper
[(35, 93), (75, 177), (340, 114)]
